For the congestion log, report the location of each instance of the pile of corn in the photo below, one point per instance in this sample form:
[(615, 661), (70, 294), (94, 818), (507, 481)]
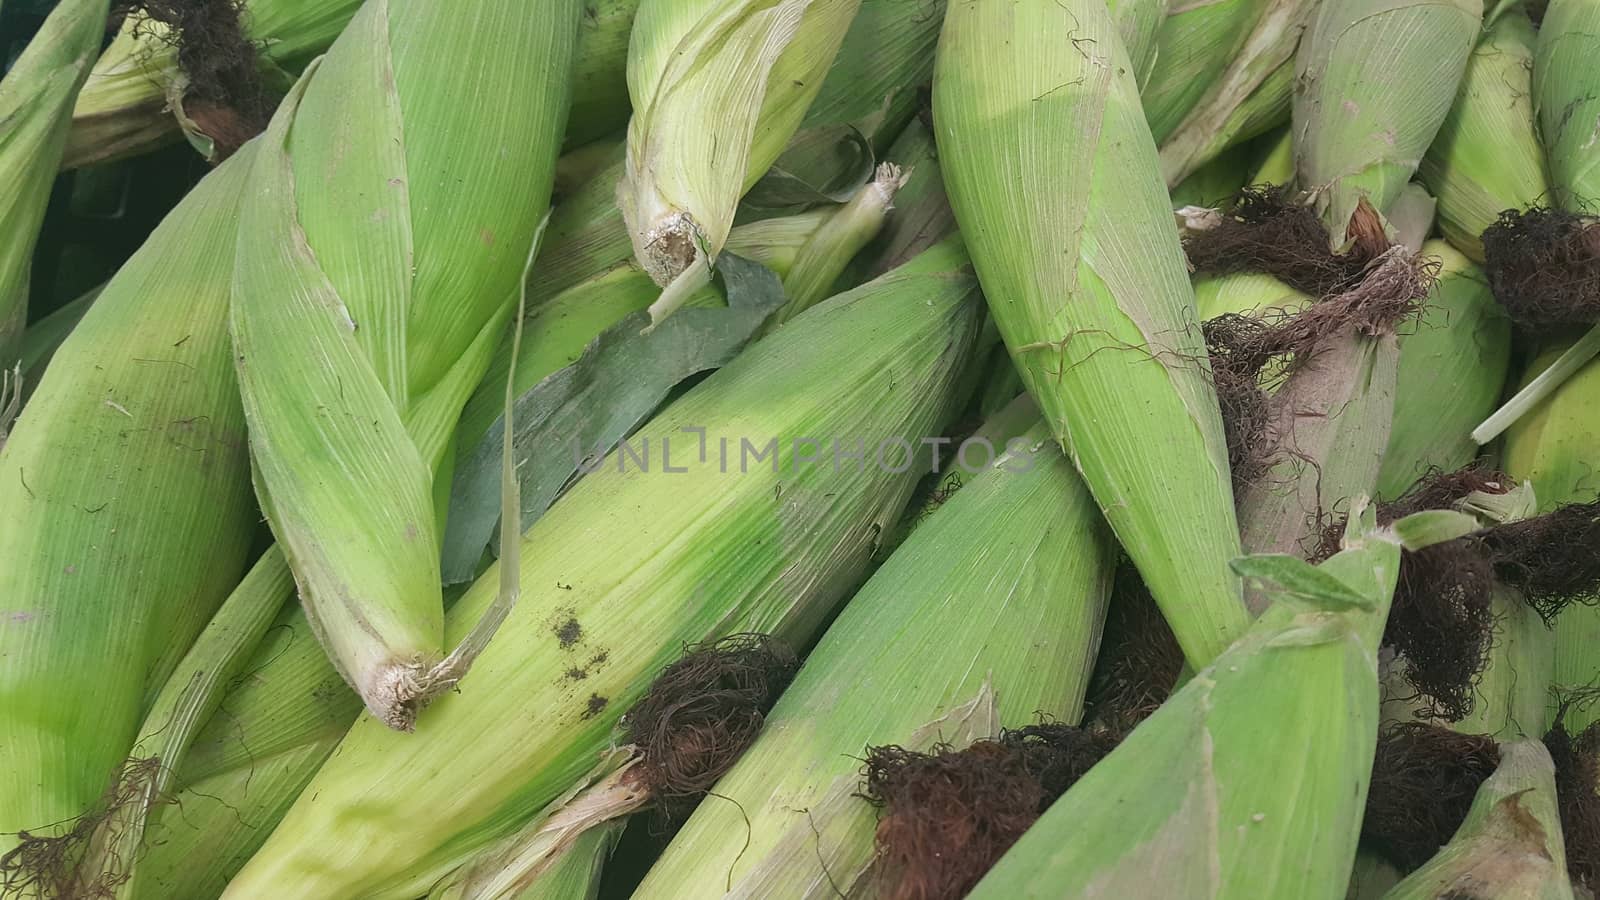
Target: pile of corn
[(799, 448)]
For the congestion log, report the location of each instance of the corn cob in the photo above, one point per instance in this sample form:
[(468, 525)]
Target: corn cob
[(1564, 99), (279, 727), (1088, 286), (350, 268), (1453, 364), (1567, 109), (1025, 533), (1553, 447), (1486, 157), (1357, 136), (1510, 845), (1226, 791), (875, 364), (35, 100), (133, 100), (1247, 97), (718, 89), (127, 467)]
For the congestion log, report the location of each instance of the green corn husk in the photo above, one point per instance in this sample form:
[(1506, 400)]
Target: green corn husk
[(573, 874), (1214, 183), (133, 99), (1233, 788), (189, 698), (127, 512), (1566, 102), (718, 555), (1554, 447), (1138, 23), (921, 215), (1194, 45), (1276, 165), (1085, 278), (1510, 846), (342, 259), (823, 258), (1453, 364), (1512, 692), (128, 105), (1486, 157), (1251, 95), (1377, 78), (35, 99), (247, 764), (1330, 424), (285, 721), (718, 89), (44, 337), (560, 327), (871, 93), (907, 658), (886, 57), (1372, 877), (1568, 109)]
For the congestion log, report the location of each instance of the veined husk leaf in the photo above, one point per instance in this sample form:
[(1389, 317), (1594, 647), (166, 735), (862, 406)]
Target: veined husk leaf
[(1487, 158), (1512, 695), (1453, 364), (127, 105), (572, 873), (1554, 447), (1376, 80), (886, 56), (192, 694), (1566, 101), (1138, 23), (35, 104), (559, 327), (1330, 423), (1510, 845), (1054, 180), (1250, 95), (1231, 789), (921, 216), (718, 88), (1023, 540), (128, 516), (729, 546), (1194, 45), (384, 242)]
